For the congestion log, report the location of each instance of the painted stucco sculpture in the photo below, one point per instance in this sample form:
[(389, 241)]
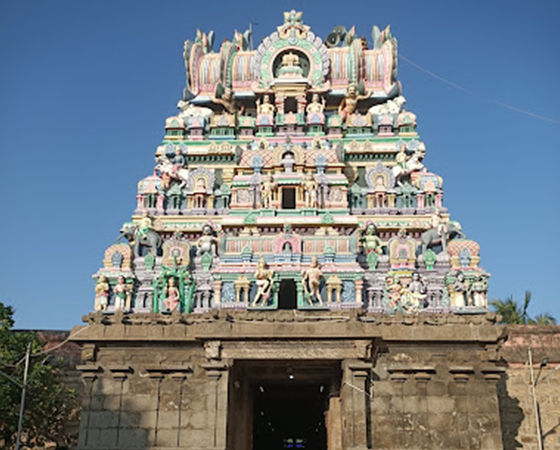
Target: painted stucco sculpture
[(292, 176)]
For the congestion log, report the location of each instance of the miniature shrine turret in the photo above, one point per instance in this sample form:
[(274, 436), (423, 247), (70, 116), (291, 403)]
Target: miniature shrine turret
[(292, 177)]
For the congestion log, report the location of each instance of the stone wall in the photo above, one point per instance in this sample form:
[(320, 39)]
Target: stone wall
[(420, 392), (184, 381), (516, 398)]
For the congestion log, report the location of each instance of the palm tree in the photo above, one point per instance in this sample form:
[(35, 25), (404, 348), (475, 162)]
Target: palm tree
[(543, 319), (513, 313)]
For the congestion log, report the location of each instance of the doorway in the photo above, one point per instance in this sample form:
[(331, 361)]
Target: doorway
[(289, 198), (289, 417), (287, 296)]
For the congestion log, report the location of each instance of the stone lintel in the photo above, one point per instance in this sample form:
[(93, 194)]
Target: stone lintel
[(176, 372), (411, 369), (250, 325), (292, 349)]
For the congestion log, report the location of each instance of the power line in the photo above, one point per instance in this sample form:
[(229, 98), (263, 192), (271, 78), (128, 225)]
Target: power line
[(468, 91)]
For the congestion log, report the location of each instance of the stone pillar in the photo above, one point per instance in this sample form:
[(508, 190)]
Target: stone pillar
[(217, 400), (217, 292), (157, 377), (420, 200), (492, 439), (89, 375), (355, 398), (120, 374), (359, 285)]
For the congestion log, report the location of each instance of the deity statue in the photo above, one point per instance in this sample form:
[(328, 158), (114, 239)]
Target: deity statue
[(268, 188), (479, 288), (349, 103), (370, 240), (394, 289), (263, 281), (227, 100), (101, 294), (414, 295), (310, 189), (290, 60), (200, 193), (207, 242), (315, 110), (122, 293), (178, 159), (380, 191), (288, 162), (171, 295), (265, 110), (145, 224), (290, 66), (401, 157), (438, 223), (311, 279), (459, 291)]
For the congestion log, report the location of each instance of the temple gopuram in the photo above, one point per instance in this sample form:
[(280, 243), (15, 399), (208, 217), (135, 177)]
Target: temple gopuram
[(290, 277)]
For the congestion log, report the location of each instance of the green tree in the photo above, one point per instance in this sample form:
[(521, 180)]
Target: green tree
[(515, 313), (48, 403)]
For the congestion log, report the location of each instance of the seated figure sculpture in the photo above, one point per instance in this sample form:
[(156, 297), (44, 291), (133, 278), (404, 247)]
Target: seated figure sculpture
[(265, 112), (315, 110)]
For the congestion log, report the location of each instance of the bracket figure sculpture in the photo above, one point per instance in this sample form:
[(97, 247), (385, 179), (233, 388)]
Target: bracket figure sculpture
[(264, 282), (311, 279), (142, 236)]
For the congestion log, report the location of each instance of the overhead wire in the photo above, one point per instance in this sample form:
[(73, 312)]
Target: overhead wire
[(469, 91)]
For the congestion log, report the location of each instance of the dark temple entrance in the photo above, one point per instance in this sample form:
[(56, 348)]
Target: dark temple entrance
[(289, 417), (288, 198), (287, 297)]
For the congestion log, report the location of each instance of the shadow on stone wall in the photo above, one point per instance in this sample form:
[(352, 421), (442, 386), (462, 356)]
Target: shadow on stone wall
[(511, 416), (546, 434), (109, 421)]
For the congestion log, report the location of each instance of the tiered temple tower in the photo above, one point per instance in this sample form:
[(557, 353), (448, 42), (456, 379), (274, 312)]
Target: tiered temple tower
[(292, 177), (291, 277)]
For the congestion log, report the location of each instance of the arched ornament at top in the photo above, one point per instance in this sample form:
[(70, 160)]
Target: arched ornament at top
[(293, 35)]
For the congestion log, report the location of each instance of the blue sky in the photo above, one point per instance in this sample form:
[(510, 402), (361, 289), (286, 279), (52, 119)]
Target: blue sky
[(85, 88)]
